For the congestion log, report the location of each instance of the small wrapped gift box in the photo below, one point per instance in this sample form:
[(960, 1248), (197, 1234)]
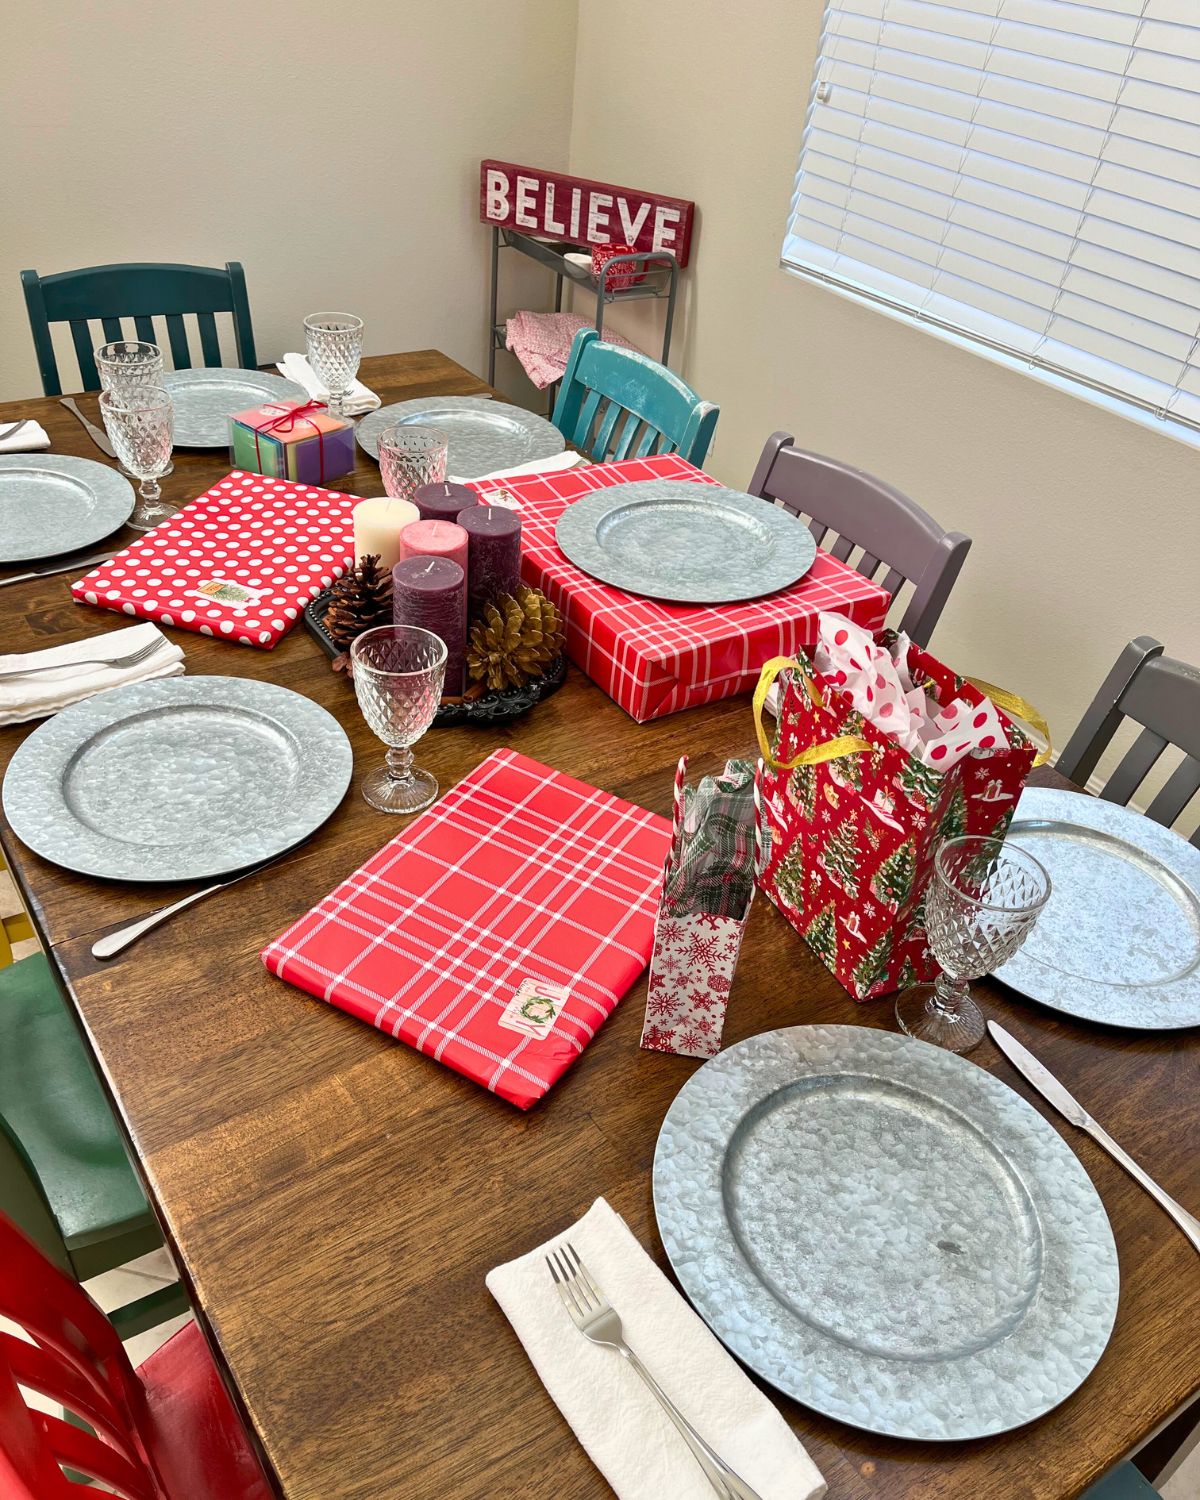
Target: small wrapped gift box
[(622, 276), (708, 885), (296, 440)]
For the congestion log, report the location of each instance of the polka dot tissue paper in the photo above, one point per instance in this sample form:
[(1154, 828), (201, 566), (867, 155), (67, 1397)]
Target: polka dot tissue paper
[(239, 563)]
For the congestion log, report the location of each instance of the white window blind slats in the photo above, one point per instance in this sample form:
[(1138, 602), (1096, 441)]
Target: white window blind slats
[(1021, 173)]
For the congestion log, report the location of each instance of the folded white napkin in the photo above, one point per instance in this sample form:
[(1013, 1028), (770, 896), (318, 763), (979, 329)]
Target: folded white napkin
[(358, 400), (23, 437), (44, 693), (625, 1432), (565, 460)]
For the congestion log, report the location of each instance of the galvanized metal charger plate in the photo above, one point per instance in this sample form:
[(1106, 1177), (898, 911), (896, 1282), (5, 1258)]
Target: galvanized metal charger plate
[(206, 399), (484, 434), (177, 779), (1119, 939), (51, 503), (685, 542), (885, 1232)]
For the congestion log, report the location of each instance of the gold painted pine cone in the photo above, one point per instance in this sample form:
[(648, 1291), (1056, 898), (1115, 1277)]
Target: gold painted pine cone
[(515, 641)]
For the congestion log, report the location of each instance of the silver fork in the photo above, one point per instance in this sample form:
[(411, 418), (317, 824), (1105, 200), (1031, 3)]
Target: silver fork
[(594, 1316), (99, 661)]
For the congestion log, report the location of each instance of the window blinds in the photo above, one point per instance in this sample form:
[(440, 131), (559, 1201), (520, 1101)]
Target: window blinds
[(1021, 173)]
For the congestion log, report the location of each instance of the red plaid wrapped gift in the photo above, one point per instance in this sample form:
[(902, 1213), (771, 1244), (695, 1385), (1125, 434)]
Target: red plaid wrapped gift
[(240, 562), (654, 658), (497, 931)]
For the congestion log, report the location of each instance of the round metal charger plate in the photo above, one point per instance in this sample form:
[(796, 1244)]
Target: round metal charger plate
[(484, 434), (204, 401), (51, 503), (1119, 939), (885, 1232), (181, 778), (685, 542)]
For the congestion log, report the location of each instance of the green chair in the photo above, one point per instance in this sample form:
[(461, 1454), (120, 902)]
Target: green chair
[(64, 1175), (1122, 1483), (142, 292), (604, 383)]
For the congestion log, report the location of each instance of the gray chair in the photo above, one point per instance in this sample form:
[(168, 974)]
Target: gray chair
[(847, 509), (1163, 696)]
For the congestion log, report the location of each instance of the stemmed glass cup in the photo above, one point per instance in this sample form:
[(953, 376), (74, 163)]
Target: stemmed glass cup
[(410, 456), (334, 343), (128, 366), (981, 903), (141, 425), (398, 675)]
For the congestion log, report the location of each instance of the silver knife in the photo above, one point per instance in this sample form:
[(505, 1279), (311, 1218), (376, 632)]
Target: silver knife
[(1052, 1091), (97, 434), (66, 567), (117, 942)]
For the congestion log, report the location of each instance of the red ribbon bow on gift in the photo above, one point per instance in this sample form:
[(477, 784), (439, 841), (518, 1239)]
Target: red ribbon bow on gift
[(286, 422)]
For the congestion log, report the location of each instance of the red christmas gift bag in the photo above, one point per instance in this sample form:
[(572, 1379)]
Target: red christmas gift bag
[(851, 816)]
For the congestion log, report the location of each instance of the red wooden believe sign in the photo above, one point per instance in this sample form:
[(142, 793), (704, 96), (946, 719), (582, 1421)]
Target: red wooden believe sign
[(578, 209)]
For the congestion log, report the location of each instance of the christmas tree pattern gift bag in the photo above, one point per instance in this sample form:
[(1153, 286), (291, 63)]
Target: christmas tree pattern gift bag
[(851, 816)]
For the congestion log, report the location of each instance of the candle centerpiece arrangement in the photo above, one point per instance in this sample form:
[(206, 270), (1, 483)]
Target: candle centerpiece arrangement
[(441, 561)]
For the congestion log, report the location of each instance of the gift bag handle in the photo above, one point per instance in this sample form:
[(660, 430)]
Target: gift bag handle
[(850, 744), (843, 744)]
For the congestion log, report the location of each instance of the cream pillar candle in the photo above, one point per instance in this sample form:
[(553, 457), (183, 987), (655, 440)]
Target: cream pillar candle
[(377, 526)]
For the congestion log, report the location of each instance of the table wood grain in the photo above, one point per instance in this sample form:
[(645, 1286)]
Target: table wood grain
[(336, 1199)]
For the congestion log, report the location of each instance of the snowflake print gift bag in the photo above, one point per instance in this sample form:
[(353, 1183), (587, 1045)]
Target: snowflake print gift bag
[(850, 816), (708, 885)]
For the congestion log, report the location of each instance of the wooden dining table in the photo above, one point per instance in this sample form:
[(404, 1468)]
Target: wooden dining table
[(334, 1199)]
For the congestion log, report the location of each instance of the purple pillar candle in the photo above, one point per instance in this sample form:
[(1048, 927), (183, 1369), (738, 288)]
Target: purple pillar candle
[(493, 554), (443, 502), (431, 593)]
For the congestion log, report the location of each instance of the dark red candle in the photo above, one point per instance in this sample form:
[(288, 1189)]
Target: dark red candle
[(444, 501), (493, 554), (431, 593)]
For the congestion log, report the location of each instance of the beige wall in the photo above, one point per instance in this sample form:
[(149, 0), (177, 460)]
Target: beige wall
[(333, 149), (1086, 526)]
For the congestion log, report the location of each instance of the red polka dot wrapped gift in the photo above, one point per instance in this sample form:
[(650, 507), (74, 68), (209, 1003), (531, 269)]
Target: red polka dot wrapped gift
[(852, 812)]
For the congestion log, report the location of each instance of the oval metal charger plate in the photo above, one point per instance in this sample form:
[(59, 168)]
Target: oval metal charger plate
[(484, 434), (51, 503), (205, 400), (885, 1232), (685, 542), (181, 778), (1119, 939)]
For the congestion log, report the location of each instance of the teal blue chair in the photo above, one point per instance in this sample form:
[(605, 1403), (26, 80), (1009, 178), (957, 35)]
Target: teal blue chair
[(1123, 1483), (618, 403), (64, 1176), (141, 292)]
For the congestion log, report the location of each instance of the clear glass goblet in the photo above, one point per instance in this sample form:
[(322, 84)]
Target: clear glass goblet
[(142, 426), (981, 903), (398, 674), (128, 365), (410, 456), (334, 342)]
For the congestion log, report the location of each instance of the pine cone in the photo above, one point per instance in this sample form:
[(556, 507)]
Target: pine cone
[(515, 641), (362, 598)]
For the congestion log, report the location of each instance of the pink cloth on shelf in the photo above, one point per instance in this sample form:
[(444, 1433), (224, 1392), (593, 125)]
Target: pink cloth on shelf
[(542, 342)]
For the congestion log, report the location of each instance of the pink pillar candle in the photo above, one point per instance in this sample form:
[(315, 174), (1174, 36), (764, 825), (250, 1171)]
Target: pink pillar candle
[(444, 501), (493, 554), (434, 539), (431, 593)]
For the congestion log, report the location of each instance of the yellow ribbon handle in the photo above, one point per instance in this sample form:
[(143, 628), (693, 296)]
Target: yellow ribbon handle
[(844, 744), (1018, 708)]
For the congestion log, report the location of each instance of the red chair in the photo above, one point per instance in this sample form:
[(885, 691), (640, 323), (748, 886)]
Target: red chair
[(167, 1431)]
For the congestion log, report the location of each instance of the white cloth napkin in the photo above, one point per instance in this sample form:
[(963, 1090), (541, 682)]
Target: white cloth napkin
[(565, 460), (359, 398), (625, 1432), (25, 437), (36, 697)]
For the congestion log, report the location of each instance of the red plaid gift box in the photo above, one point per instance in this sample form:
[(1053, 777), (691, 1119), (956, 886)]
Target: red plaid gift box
[(497, 931), (654, 658), (239, 562)]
